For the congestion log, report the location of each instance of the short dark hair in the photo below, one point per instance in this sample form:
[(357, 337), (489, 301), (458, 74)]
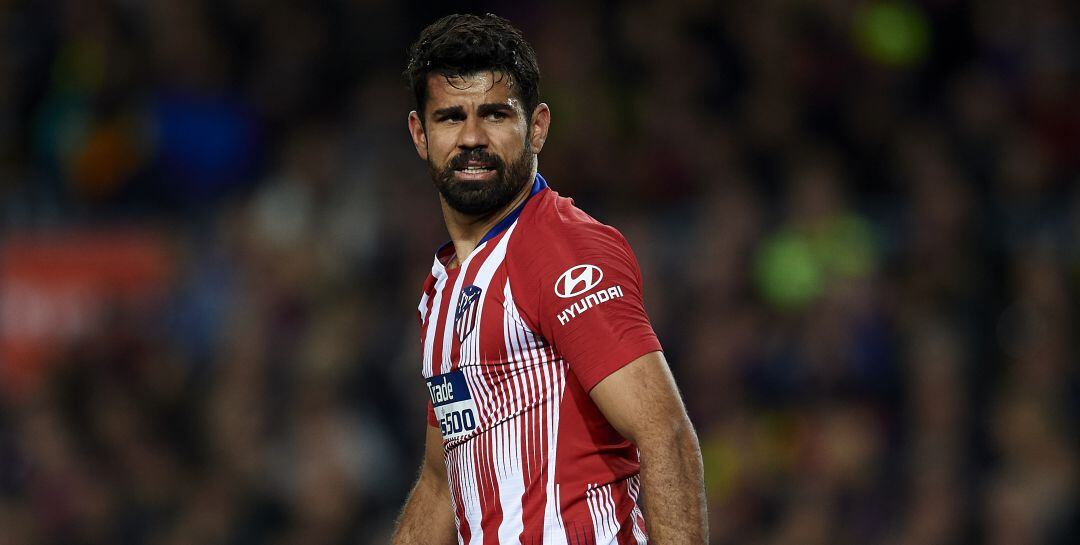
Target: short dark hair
[(458, 45)]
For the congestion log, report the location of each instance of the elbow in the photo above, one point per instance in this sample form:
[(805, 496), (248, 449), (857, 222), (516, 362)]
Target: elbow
[(686, 437), (677, 433)]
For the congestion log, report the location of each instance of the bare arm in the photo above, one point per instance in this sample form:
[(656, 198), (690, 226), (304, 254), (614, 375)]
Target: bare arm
[(428, 517), (642, 402)]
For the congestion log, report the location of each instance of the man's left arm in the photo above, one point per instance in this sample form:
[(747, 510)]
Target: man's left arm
[(642, 402)]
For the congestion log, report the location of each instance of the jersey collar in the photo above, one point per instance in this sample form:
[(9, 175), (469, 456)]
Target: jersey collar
[(447, 249), (539, 183)]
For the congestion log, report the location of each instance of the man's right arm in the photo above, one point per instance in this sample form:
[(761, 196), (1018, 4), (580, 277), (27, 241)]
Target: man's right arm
[(428, 516)]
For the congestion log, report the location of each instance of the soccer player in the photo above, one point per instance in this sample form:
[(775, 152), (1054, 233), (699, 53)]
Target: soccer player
[(552, 407)]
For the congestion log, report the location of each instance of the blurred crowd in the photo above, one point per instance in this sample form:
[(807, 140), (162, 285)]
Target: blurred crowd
[(858, 224)]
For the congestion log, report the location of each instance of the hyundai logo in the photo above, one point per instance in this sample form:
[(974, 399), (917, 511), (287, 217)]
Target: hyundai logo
[(578, 280)]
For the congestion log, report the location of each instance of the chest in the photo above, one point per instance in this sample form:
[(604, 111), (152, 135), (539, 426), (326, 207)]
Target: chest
[(482, 362), (465, 319)]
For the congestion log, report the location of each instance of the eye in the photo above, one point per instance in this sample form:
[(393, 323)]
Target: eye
[(497, 116), (450, 117)]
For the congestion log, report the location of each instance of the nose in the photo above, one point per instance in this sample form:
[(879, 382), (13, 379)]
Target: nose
[(472, 134)]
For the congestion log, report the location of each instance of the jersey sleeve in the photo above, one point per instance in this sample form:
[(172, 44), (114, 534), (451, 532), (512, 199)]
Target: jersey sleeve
[(590, 303)]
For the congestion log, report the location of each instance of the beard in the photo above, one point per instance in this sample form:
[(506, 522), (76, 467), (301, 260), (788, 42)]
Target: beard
[(478, 198)]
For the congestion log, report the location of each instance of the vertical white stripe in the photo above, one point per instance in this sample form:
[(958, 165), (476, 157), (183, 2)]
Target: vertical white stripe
[(526, 359), (511, 484), (527, 366), (545, 374), (633, 486), (456, 487), (527, 373), (529, 379), (448, 320), (517, 426), (554, 527), (558, 387), (469, 352), (438, 272), (422, 308), (602, 510), (455, 295), (471, 355), (470, 493), (429, 339), (612, 516), (594, 513)]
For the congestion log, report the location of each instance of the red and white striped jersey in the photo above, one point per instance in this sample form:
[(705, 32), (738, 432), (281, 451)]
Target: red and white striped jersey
[(546, 306)]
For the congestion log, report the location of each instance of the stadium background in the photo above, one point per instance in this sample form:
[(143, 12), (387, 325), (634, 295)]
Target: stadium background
[(858, 222)]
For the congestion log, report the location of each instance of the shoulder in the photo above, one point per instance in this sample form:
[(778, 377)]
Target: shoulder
[(559, 251), (577, 284), (553, 231)]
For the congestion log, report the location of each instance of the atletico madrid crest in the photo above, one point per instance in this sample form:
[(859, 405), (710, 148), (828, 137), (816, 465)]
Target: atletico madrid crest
[(465, 317)]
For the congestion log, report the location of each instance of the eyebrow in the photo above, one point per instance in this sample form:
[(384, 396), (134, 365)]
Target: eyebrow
[(492, 107), (481, 110), (448, 111)]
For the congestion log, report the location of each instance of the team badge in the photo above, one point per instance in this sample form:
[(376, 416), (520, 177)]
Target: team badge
[(465, 316)]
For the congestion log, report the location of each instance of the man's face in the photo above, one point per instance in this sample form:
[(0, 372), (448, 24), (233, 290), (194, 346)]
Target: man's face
[(480, 145)]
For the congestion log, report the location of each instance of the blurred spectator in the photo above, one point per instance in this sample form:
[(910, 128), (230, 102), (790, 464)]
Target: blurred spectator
[(858, 225)]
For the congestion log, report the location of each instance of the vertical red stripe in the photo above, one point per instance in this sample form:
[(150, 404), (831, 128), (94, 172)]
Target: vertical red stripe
[(454, 472), (476, 261), (438, 321), (488, 490), (540, 379), (624, 513), (421, 313)]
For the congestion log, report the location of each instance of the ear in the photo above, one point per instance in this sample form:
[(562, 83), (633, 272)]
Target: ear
[(419, 137), (539, 124)]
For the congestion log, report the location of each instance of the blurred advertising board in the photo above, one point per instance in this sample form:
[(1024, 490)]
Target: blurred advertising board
[(57, 287)]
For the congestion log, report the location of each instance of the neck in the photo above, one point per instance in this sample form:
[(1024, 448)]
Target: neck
[(467, 230)]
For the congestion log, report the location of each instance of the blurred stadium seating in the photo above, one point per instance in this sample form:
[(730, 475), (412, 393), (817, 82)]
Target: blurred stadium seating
[(859, 225)]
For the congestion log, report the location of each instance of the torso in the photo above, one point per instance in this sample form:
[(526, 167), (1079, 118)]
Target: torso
[(529, 457)]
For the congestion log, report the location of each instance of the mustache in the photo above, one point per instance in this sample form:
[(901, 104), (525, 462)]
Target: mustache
[(461, 160)]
